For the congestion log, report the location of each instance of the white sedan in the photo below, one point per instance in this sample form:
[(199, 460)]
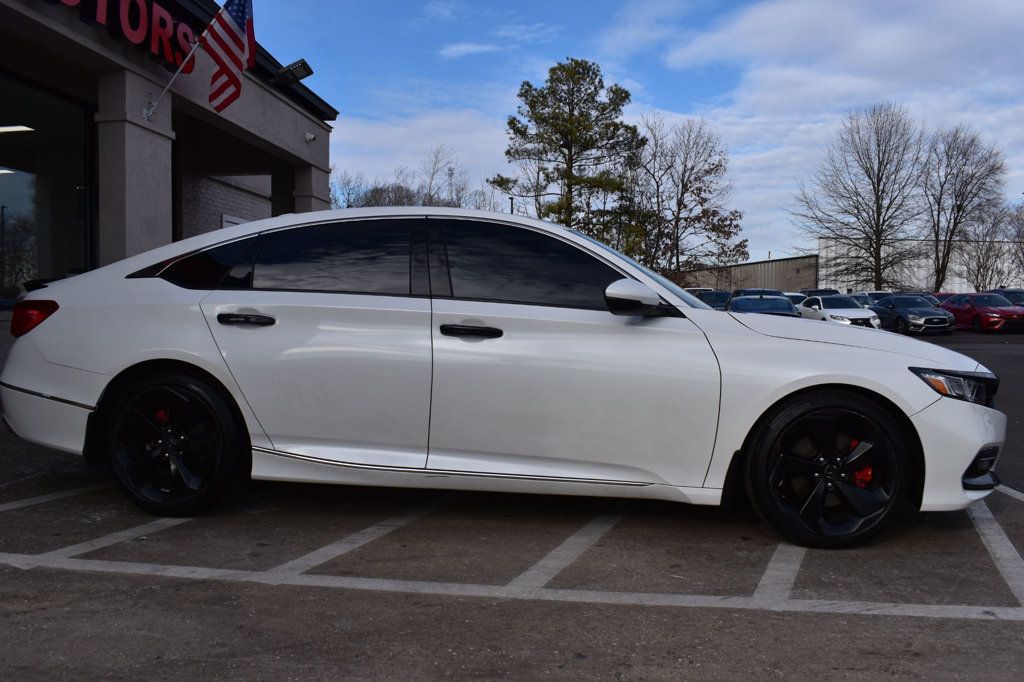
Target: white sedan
[(838, 309), (440, 348)]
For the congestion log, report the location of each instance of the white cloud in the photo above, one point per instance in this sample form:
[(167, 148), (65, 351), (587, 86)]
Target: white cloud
[(804, 64), (639, 25), (458, 50), (376, 147), (440, 9), (528, 33)]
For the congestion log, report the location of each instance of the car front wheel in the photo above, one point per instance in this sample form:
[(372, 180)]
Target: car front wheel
[(174, 444), (828, 469)]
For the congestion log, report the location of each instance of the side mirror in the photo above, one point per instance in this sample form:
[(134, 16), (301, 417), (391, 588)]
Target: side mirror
[(629, 297), (816, 306)]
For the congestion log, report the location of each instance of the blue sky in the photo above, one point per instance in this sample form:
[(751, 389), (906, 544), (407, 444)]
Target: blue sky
[(774, 77)]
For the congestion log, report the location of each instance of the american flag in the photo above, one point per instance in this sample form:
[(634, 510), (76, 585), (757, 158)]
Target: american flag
[(231, 42)]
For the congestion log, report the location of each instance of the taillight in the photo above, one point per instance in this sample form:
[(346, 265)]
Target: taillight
[(30, 314)]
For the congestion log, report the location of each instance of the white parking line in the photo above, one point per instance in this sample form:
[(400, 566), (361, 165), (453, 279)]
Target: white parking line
[(542, 572), (360, 538), (115, 538), (780, 574), (1011, 492), (1004, 554), (50, 497), (1005, 613)]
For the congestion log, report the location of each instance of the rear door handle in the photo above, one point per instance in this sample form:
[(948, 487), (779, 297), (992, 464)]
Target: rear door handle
[(246, 318), (471, 330)]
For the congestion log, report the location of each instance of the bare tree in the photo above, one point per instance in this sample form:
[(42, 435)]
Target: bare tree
[(683, 191), (1015, 233), (863, 199), (961, 177), (984, 254)]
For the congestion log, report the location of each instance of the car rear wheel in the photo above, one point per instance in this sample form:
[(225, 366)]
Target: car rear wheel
[(828, 469), (174, 444)]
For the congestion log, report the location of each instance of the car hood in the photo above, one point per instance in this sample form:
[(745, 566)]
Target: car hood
[(924, 312), (1004, 310), (850, 312), (937, 357)]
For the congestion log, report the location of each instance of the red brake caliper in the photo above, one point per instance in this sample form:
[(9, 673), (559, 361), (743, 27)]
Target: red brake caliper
[(162, 416), (862, 477)]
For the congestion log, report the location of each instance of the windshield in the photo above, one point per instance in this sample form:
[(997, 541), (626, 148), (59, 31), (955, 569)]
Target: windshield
[(1015, 297), (687, 298), (834, 302), (911, 302), (990, 300), (758, 292), (761, 305), (796, 298), (878, 295)]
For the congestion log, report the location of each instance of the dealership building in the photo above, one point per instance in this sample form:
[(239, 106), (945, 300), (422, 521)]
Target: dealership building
[(87, 179)]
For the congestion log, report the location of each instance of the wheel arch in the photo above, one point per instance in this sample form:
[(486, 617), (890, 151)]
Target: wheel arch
[(734, 484), (94, 428)]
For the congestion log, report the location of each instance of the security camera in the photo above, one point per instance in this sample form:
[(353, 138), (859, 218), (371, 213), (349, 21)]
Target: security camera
[(310, 137)]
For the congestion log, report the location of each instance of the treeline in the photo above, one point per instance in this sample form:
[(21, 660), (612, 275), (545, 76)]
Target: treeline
[(657, 190), (891, 193)]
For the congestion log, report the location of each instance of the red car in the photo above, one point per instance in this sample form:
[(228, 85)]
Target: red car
[(985, 312)]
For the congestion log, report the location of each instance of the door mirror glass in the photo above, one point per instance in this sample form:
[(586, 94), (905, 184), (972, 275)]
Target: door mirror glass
[(629, 297), (816, 306)]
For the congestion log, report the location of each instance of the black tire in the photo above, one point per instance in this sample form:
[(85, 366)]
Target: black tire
[(976, 324), (175, 444), (899, 326), (828, 469)]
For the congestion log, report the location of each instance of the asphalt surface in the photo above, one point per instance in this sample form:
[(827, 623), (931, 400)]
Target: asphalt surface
[(290, 581)]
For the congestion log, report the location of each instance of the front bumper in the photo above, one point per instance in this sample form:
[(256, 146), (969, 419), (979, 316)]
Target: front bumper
[(1000, 324), (931, 324), (952, 433)]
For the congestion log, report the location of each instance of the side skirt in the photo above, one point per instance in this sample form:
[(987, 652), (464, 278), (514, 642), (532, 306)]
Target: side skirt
[(272, 465)]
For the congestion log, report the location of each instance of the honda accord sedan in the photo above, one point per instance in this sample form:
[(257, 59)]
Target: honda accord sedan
[(441, 348)]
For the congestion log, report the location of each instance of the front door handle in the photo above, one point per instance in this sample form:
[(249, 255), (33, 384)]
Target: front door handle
[(246, 318), (471, 330)]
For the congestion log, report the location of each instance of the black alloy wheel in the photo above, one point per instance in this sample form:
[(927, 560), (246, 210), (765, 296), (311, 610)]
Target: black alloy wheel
[(976, 324), (175, 445), (829, 470), (900, 326)]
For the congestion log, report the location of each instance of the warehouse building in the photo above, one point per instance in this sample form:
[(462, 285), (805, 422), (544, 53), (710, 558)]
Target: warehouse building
[(86, 179)]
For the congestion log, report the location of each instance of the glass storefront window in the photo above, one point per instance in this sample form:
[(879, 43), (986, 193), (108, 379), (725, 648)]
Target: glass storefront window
[(44, 190)]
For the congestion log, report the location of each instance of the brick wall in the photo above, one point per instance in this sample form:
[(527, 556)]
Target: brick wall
[(205, 200)]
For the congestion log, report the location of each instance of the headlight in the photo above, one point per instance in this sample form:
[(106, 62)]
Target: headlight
[(974, 387), (992, 314), (914, 318), (874, 318), (839, 318)]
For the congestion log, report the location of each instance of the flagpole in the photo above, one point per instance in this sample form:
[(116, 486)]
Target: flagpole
[(149, 109)]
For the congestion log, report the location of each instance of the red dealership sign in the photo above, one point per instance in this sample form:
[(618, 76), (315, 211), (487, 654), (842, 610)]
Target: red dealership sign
[(149, 25)]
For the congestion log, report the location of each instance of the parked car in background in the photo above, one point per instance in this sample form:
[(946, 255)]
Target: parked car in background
[(766, 305), (819, 292), (909, 314), (696, 290), (756, 292), (985, 312), (1014, 296), (795, 297), (863, 299), (875, 296), (715, 299), (943, 295), (838, 309)]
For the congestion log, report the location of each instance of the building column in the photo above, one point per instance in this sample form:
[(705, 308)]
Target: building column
[(312, 192), (134, 174)]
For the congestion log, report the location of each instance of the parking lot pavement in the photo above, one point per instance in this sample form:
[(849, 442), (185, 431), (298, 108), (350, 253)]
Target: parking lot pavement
[(295, 580)]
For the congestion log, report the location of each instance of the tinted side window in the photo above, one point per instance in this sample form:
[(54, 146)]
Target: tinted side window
[(205, 270), (369, 257), (493, 262)]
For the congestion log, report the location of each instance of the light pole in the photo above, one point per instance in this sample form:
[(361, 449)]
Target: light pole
[(511, 205)]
